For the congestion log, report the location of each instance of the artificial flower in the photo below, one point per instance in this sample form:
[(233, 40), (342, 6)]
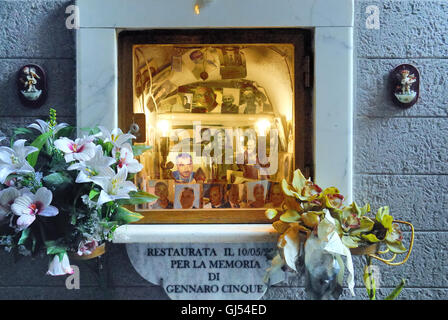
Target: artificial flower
[(125, 157), (86, 247), (14, 160), (7, 197), (60, 266), (81, 149), (114, 187), (301, 188), (116, 136), (98, 165), (29, 205), (44, 127)]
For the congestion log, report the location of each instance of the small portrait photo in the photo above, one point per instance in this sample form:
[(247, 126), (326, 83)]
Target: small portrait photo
[(213, 196), (183, 165), (187, 100), (164, 189), (235, 195), (187, 196), (230, 100), (256, 193), (276, 196)]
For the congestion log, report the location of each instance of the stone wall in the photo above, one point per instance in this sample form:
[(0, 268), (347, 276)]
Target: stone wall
[(400, 156)]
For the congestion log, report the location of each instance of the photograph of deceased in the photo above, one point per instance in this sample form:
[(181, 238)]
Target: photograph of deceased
[(187, 196), (164, 190), (256, 193), (213, 196), (276, 196), (184, 168), (230, 100), (234, 195)]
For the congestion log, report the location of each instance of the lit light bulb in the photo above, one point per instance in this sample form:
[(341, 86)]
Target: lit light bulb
[(263, 126), (164, 128), (196, 9)]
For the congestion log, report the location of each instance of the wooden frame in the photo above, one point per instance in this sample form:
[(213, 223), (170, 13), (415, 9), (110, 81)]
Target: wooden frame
[(303, 153)]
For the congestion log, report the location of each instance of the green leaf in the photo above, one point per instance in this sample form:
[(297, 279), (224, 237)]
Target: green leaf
[(54, 248), (57, 179), (290, 216), (349, 242), (65, 132), (139, 197), (396, 291), (370, 237), (125, 216), (396, 247), (38, 143), (271, 213), (139, 149), (18, 131), (24, 236), (93, 193)]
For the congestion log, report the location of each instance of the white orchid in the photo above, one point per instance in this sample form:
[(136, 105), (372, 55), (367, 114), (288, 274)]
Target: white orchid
[(126, 158), (114, 187), (43, 126), (60, 267), (116, 136), (14, 160), (81, 149), (98, 165), (29, 205), (86, 247)]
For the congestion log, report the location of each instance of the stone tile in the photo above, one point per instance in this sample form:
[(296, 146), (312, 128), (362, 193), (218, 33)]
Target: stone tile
[(61, 81), (421, 200), (401, 145), (35, 29), (373, 97), (7, 125), (408, 29)]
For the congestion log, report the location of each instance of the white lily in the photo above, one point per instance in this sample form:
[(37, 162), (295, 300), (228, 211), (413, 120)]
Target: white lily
[(126, 158), (60, 267), (7, 197), (81, 149), (98, 165), (14, 160), (29, 205), (43, 126), (116, 136), (115, 187)]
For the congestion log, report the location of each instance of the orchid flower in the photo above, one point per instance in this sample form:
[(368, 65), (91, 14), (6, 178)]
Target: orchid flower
[(116, 136), (29, 205), (98, 165), (60, 266), (43, 126), (114, 187), (14, 160), (301, 188), (125, 157), (82, 149)]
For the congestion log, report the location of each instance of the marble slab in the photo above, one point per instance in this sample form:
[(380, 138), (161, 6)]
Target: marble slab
[(216, 13), (225, 271)]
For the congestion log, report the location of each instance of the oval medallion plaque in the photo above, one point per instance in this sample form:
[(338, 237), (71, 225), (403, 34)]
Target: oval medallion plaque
[(204, 271), (405, 85), (32, 85)]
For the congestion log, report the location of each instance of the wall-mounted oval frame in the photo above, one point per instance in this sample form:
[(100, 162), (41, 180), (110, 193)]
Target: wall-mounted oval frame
[(405, 85), (32, 85)]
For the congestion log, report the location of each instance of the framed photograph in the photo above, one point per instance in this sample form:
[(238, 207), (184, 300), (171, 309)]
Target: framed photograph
[(256, 193), (187, 196), (164, 189), (275, 196), (214, 196)]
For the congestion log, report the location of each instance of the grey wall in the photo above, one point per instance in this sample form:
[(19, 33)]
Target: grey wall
[(400, 156)]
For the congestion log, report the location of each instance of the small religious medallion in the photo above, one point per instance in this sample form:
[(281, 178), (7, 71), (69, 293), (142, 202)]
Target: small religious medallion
[(405, 85), (32, 85)]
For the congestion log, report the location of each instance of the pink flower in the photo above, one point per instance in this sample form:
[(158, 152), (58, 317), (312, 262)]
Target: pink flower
[(81, 149), (87, 247), (29, 205)]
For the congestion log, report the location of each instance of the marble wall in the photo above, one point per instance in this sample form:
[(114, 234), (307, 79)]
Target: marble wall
[(400, 156)]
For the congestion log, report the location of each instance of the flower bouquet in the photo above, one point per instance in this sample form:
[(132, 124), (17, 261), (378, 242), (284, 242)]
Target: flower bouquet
[(62, 195), (318, 232)]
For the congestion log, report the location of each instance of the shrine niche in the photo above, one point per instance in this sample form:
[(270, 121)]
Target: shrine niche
[(228, 117)]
